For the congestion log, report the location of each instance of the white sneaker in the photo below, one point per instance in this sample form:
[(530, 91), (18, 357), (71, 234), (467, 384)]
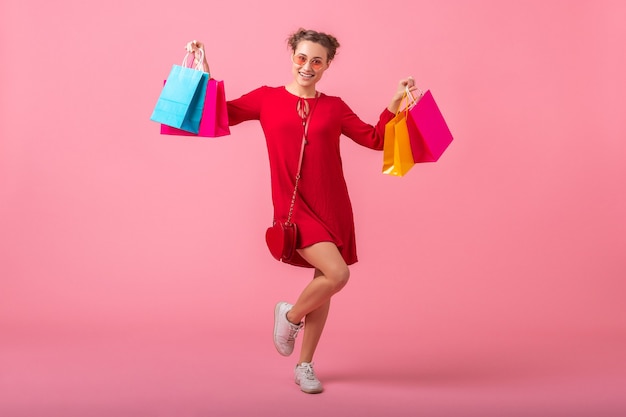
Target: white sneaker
[(305, 377), (285, 332)]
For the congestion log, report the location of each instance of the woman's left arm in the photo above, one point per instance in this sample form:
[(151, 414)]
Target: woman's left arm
[(373, 136)]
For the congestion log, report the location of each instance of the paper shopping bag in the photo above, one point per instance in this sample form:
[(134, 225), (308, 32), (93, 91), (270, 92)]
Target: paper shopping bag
[(397, 156), (214, 121), (429, 133), (181, 101)]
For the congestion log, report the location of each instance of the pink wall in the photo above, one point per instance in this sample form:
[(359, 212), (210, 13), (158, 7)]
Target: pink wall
[(519, 227)]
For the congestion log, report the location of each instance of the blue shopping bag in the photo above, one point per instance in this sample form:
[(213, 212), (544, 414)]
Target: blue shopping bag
[(181, 101)]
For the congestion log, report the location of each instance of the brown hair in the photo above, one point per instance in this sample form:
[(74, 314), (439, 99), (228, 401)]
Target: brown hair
[(328, 41)]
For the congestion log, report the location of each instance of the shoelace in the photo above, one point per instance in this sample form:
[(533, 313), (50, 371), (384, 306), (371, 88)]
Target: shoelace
[(293, 332), (308, 372)]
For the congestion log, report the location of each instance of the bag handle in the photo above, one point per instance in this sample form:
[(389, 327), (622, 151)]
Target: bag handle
[(305, 136), (412, 101), (402, 108), (199, 66)]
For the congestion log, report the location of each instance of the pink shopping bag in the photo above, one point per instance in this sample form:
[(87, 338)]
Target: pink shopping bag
[(214, 120), (428, 131)]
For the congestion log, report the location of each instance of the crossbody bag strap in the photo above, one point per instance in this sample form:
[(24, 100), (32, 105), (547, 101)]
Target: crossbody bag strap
[(305, 135)]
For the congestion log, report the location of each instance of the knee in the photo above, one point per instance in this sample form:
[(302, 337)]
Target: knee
[(339, 277)]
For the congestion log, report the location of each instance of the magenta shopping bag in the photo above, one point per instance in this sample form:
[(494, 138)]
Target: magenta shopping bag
[(428, 131), (214, 120)]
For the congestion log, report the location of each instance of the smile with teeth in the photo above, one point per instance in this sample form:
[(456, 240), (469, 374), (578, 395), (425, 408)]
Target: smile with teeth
[(305, 75)]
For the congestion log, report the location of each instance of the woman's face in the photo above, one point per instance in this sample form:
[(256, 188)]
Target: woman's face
[(310, 60)]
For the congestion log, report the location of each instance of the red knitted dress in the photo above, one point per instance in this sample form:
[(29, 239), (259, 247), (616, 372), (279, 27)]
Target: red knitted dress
[(322, 211)]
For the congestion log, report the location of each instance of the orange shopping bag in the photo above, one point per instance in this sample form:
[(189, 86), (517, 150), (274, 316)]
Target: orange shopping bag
[(397, 155)]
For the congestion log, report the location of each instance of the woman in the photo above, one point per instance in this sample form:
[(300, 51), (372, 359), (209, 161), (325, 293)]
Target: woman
[(322, 209)]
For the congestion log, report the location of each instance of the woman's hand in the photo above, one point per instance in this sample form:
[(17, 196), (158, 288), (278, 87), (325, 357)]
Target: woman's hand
[(400, 92), (197, 49)]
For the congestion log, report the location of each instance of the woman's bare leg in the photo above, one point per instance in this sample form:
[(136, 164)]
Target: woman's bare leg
[(331, 275), (315, 322)]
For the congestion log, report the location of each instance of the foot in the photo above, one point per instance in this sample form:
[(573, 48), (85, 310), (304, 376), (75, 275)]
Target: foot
[(285, 332), (305, 377)]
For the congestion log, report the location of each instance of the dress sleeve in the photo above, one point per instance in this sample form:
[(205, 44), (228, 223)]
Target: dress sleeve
[(246, 107), (362, 133)]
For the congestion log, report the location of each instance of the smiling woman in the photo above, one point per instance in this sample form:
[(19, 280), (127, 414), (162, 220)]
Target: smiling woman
[(312, 55), (310, 61), (313, 195), (489, 284)]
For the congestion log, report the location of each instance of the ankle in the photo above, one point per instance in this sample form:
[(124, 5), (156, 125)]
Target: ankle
[(290, 319)]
